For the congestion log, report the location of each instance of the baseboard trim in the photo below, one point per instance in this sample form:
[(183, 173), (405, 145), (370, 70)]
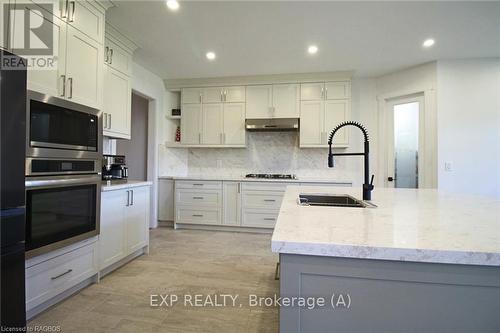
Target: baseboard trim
[(179, 226), (122, 262)]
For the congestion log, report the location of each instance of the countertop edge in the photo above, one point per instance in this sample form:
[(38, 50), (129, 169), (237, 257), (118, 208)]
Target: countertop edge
[(114, 187), (385, 253), (243, 179)]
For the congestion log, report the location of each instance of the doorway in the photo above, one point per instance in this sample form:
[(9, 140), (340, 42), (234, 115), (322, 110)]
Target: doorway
[(405, 133), (136, 149)]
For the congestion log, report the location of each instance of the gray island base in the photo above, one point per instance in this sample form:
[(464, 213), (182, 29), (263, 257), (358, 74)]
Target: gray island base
[(423, 261), (364, 295)]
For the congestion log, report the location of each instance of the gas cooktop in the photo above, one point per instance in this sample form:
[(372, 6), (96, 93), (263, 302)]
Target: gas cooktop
[(270, 176)]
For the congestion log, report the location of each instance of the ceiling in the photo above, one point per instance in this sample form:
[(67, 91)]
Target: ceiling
[(262, 37)]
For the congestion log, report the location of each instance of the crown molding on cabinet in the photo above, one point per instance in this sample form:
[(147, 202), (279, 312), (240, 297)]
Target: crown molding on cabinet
[(105, 4), (177, 84), (117, 37)]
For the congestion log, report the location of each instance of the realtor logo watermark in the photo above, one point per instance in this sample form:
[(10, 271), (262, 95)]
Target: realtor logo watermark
[(28, 31)]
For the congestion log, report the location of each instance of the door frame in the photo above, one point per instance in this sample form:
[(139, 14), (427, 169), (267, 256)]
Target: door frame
[(427, 135), (390, 169)]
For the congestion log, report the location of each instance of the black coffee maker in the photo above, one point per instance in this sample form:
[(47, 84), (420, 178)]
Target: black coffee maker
[(114, 167)]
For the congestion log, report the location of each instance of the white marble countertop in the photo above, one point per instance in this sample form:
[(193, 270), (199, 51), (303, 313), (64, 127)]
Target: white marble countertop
[(243, 179), (123, 184), (408, 225)]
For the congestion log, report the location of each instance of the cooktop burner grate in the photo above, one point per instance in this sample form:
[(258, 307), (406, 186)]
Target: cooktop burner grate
[(270, 176)]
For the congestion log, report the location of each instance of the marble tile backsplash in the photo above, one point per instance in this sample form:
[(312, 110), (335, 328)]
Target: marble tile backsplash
[(268, 152)]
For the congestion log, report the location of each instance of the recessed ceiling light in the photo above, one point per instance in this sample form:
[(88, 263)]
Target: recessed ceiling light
[(172, 4), (428, 42), (210, 55), (313, 49)]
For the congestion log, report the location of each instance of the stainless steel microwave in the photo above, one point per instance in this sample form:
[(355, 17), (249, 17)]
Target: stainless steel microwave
[(59, 128)]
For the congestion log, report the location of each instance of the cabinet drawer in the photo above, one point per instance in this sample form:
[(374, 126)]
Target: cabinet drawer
[(261, 219), (198, 216), (198, 184), (262, 199), (200, 197), (52, 277)]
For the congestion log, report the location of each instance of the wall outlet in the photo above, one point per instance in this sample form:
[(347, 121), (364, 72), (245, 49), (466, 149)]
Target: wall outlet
[(448, 166)]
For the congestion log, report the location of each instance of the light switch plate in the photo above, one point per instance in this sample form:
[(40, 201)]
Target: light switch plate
[(448, 166)]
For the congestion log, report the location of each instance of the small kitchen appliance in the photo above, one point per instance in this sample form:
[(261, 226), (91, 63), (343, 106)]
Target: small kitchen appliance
[(114, 167)]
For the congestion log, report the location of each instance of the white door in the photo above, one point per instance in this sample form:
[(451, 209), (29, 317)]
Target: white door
[(84, 69), (87, 19), (212, 130), (191, 95), (235, 94), (336, 112), (286, 100), (117, 103), (234, 124), (112, 236), (404, 140), (259, 101), (337, 90), (213, 95), (191, 124), (311, 123), (137, 218), (311, 91), (51, 82), (232, 203)]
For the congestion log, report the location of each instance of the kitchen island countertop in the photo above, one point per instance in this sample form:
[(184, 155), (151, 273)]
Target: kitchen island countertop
[(423, 225)]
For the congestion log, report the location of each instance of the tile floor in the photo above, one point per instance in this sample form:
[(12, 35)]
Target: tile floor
[(184, 262)]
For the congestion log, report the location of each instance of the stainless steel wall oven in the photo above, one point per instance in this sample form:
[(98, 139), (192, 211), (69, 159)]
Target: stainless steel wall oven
[(63, 173)]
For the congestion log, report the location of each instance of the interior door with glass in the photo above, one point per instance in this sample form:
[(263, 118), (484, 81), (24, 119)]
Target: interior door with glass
[(405, 142)]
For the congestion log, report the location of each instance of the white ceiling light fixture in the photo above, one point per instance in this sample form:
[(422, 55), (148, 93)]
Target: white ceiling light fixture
[(428, 42), (313, 49), (210, 55), (173, 5)]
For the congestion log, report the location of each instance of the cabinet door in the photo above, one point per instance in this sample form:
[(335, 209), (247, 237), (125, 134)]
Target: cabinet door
[(337, 90), (259, 101), (137, 217), (117, 57), (337, 111), (311, 91), (5, 28), (234, 94), (286, 100), (232, 203), (212, 130), (117, 104), (51, 82), (234, 124), (311, 123), (84, 69), (87, 19), (212, 95), (112, 236), (191, 95), (166, 200), (191, 124)]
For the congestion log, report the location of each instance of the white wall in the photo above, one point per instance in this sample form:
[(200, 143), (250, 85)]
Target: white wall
[(469, 126)]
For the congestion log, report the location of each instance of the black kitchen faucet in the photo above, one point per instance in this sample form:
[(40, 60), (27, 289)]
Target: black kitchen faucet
[(368, 185)]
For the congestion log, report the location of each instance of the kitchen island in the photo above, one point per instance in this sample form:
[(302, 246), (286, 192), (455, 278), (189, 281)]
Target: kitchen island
[(422, 261)]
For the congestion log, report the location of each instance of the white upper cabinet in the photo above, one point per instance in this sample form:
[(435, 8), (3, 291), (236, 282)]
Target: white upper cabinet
[(234, 94), (84, 69), (191, 95), (312, 91), (234, 124), (286, 100), (337, 90), (191, 124), (259, 101), (117, 104), (311, 123), (117, 57), (213, 95), (83, 16), (211, 133), (337, 111)]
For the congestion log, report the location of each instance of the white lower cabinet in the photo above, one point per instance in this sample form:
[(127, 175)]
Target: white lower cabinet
[(231, 203), (57, 272), (198, 202), (124, 223), (166, 200)]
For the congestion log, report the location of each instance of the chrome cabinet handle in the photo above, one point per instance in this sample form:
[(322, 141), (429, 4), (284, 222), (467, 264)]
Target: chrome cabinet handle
[(225, 95), (269, 200), (109, 114), (239, 190), (200, 97), (128, 198), (61, 275), (199, 137), (64, 11), (197, 215), (326, 92), (269, 219), (70, 81), (322, 93), (198, 184), (72, 17), (198, 198), (63, 85), (105, 121), (132, 197), (106, 52), (111, 56)]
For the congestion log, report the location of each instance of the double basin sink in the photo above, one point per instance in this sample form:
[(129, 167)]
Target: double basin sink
[(342, 200)]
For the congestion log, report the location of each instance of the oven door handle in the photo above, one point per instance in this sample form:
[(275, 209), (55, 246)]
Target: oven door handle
[(62, 181)]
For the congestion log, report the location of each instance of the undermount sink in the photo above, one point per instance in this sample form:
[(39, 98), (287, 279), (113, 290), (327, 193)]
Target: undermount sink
[(342, 200)]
